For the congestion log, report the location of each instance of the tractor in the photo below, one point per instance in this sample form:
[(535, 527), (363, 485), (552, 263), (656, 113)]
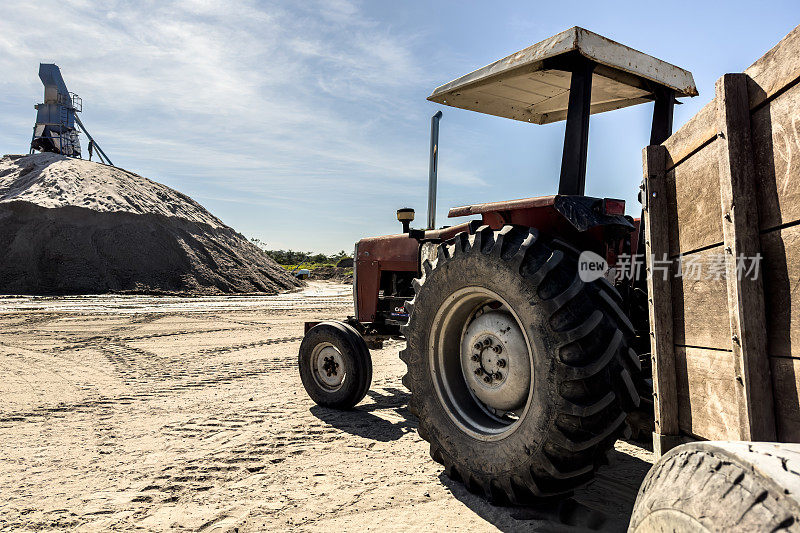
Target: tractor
[(523, 368)]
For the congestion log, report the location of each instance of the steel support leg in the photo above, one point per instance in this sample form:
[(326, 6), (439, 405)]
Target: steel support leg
[(662, 116), (576, 137)]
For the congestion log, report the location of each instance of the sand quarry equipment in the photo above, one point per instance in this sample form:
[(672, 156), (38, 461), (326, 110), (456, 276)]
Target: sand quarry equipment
[(57, 122), (526, 363)]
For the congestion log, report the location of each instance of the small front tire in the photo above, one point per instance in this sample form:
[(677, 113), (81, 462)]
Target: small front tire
[(335, 365)]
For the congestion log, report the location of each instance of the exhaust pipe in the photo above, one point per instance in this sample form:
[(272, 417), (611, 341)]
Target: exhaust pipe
[(432, 169)]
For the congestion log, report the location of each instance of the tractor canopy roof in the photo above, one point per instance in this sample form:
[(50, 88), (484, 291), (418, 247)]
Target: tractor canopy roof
[(533, 84)]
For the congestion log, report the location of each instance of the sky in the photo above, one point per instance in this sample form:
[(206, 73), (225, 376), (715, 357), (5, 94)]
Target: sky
[(306, 125)]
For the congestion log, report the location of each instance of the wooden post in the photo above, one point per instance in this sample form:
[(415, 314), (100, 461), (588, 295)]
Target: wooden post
[(659, 290), (740, 232)]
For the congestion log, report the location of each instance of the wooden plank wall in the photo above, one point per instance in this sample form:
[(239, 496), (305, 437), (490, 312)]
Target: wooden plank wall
[(733, 381)]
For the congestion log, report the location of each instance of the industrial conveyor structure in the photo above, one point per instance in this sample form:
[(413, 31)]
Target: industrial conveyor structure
[(57, 122)]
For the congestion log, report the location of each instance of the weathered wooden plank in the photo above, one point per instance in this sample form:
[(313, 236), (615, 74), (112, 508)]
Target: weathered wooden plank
[(700, 300), (698, 130), (740, 228), (731, 176), (695, 217), (780, 269), (659, 291), (706, 393), (776, 144), (775, 69), (786, 389)]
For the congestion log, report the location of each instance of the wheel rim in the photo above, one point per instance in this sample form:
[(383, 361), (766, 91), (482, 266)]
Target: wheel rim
[(481, 363), (328, 367)]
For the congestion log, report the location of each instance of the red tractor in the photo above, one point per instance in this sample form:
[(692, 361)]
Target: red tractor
[(523, 362)]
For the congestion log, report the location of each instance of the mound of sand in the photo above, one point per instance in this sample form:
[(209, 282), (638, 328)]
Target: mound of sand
[(69, 226)]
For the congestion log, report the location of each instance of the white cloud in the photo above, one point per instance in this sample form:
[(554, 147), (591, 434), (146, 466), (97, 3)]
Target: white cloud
[(268, 101)]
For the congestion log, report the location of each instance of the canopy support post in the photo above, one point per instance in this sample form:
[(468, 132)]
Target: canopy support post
[(576, 136), (662, 115)]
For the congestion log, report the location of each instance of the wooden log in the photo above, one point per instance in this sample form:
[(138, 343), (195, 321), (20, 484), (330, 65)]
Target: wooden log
[(740, 230), (660, 295)]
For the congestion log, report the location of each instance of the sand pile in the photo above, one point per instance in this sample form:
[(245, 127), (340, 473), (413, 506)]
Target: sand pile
[(72, 226)]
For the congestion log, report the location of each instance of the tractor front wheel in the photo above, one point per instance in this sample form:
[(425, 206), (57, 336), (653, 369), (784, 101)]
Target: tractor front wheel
[(520, 372), (335, 365)]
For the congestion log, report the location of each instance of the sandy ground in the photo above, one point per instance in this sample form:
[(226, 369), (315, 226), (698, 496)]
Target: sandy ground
[(133, 412)]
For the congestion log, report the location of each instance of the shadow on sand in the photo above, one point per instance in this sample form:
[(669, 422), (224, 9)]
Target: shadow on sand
[(360, 421), (603, 505)]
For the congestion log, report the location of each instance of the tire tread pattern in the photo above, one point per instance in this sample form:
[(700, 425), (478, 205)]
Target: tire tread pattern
[(722, 486), (594, 389)]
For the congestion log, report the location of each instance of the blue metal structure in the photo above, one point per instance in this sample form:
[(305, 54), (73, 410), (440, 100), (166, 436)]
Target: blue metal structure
[(57, 123)]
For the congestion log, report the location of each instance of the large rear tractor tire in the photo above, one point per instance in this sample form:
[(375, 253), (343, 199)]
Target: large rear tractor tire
[(721, 486), (520, 372), (335, 365)]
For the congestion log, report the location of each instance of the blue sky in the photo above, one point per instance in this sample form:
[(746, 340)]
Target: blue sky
[(305, 124)]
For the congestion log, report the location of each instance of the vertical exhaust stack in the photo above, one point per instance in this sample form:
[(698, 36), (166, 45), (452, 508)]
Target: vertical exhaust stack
[(432, 170)]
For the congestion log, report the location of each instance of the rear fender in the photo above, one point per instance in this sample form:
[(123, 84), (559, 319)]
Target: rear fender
[(577, 220), (557, 215), (584, 212)]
